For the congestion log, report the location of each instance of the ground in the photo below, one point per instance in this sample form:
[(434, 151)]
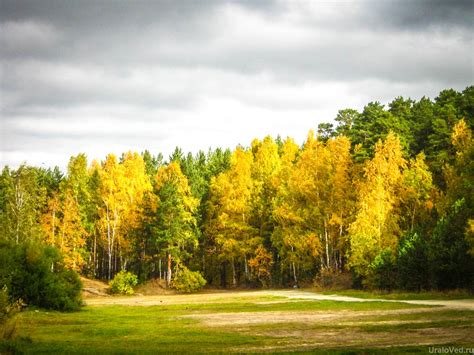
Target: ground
[(249, 321)]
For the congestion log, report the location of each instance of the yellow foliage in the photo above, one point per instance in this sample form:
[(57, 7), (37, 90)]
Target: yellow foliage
[(417, 190), (64, 229), (313, 201), (231, 206), (470, 235), (461, 138), (123, 187), (376, 223)]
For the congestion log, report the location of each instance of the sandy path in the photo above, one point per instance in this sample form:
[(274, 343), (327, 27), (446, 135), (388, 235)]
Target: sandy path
[(229, 295), (452, 304)]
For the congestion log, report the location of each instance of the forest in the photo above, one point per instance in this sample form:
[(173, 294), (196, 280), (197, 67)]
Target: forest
[(383, 196)]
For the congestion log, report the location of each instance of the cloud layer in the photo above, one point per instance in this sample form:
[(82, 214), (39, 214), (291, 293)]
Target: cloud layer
[(101, 77)]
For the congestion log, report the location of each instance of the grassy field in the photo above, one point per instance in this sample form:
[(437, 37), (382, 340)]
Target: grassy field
[(236, 323)]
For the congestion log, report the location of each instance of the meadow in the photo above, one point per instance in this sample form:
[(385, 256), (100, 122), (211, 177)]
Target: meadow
[(252, 321)]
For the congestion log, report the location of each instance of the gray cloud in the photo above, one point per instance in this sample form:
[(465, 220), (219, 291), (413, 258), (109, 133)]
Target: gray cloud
[(93, 75), (406, 14)]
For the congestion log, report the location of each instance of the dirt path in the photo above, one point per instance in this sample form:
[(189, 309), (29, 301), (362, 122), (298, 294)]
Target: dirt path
[(289, 294), (452, 304)]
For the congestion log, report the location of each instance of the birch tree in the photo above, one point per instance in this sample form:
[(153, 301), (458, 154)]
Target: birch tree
[(376, 222)]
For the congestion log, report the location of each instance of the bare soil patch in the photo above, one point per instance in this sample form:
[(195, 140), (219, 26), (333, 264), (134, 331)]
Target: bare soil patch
[(94, 288), (153, 288), (355, 338), (314, 317)]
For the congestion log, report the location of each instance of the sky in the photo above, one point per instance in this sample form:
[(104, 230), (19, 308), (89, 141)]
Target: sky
[(105, 77)]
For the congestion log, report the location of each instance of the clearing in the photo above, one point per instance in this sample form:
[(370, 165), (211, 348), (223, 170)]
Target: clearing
[(286, 295), (247, 321)]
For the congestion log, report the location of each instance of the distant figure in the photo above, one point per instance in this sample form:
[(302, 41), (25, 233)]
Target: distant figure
[(295, 286)]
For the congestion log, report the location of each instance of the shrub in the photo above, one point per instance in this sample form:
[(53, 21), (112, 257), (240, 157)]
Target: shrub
[(123, 283), (36, 275), (186, 280), (8, 311)]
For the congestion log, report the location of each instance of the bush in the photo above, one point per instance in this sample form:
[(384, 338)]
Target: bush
[(123, 283), (36, 275), (186, 280), (8, 311)]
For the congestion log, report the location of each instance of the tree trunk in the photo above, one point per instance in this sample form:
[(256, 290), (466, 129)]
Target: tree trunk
[(327, 244), (95, 256), (339, 253), (234, 278), (122, 263), (109, 244), (159, 268), (114, 229), (168, 274), (246, 268), (294, 273), (115, 260)]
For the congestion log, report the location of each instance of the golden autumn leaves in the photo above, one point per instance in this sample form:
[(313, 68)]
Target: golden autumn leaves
[(277, 202), (123, 192)]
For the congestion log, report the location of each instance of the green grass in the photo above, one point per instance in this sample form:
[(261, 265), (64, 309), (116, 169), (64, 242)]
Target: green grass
[(162, 329), (401, 296), (116, 329), (302, 305)]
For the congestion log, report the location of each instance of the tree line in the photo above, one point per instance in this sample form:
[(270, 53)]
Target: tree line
[(385, 194)]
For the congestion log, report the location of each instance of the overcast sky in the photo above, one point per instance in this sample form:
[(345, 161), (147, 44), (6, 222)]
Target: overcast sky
[(112, 76)]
